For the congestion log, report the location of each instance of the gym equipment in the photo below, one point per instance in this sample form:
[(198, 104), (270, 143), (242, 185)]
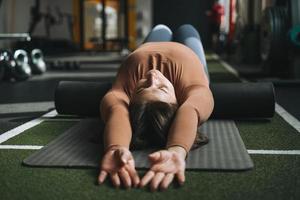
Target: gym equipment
[(8, 64), (75, 61), (80, 146), (294, 35), (243, 100), (4, 61), (22, 69), (66, 65), (232, 100), (294, 7), (37, 63), (15, 36), (16, 65), (273, 35)]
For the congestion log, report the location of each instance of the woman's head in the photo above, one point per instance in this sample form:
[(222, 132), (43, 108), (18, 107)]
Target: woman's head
[(152, 108), (150, 122), (154, 87)]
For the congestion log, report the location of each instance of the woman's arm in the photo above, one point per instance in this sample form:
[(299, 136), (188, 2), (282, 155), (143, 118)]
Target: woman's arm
[(114, 110), (170, 163), (117, 161), (196, 109), (115, 114)]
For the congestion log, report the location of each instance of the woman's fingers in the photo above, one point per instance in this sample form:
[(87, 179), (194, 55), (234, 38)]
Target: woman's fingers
[(102, 176), (133, 174), (154, 156), (159, 156), (124, 175), (157, 180), (166, 181), (115, 179), (148, 176), (180, 177)]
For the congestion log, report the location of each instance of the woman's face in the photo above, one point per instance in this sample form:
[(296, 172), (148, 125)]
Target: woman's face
[(154, 87)]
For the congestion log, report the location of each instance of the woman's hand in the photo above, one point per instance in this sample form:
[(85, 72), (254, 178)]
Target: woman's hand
[(165, 165), (119, 164)]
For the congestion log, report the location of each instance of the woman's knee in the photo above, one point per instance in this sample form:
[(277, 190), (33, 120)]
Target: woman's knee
[(187, 30), (162, 27), (186, 26)]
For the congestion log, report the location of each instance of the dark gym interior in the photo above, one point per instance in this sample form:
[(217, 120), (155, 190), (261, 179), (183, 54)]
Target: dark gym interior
[(45, 42)]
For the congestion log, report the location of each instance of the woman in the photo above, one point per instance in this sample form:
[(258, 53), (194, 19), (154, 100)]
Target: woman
[(160, 96)]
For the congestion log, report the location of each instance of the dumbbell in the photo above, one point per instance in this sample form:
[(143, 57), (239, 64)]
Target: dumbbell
[(37, 63), (22, 70), (8, 64), (14, 66), (4, 61)]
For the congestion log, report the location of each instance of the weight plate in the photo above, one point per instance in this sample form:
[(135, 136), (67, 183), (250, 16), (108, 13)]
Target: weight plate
[(294, 35), (274, 27)]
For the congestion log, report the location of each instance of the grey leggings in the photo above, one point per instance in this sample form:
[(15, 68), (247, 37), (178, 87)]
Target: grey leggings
[(186, 34)]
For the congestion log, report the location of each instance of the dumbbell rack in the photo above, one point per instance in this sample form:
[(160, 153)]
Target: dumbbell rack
[(76, 60), (15, 36), (18, 65)]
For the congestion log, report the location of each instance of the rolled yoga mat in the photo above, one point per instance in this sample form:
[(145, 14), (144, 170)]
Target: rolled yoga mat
[(80, 146), (232, 100)]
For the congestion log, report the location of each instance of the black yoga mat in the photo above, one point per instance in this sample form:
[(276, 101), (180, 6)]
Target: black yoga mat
[(79, 147), (232, 100)]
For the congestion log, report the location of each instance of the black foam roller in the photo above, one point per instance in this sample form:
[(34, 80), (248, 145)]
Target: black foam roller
[(80, 98), (232, 100), (243, 100)]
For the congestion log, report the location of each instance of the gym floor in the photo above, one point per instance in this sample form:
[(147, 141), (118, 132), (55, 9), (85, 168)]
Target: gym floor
[(273, 145)]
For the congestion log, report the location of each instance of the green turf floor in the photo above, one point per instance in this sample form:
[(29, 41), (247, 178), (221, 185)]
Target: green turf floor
[(274, 176), (41, 134)]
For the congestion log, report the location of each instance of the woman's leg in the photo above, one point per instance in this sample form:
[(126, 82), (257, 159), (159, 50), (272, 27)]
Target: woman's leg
[(160, 33), (189, 36)]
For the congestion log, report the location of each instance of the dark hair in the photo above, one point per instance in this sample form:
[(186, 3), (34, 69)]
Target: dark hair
[(151, 121)]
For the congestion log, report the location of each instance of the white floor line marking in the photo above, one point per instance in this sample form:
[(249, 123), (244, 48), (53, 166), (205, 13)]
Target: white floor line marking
[(275, 152), (295, 123), (16, 131), (22, 147), (229, 68)]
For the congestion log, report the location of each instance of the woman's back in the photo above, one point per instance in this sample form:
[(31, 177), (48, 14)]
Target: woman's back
[(178, 63)]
